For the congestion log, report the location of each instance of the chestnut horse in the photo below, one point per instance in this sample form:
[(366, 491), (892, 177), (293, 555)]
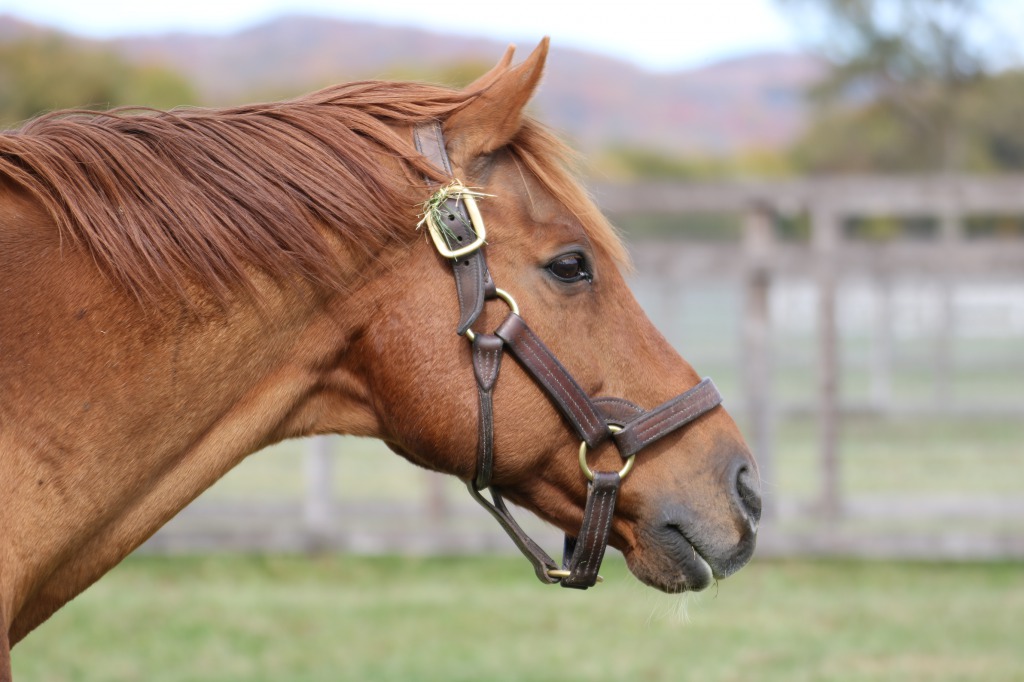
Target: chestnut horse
[(182, 289)]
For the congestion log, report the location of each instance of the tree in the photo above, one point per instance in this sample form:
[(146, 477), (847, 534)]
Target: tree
[(53, 72), (912, 87)]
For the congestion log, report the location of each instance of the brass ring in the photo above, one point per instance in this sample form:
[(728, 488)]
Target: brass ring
[(507, 298), (583, 458)]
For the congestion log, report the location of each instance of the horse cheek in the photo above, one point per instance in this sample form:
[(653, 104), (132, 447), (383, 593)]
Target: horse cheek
[(423, 399)]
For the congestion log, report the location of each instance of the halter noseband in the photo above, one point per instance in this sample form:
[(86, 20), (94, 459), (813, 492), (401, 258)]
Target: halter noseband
[(596, 420)]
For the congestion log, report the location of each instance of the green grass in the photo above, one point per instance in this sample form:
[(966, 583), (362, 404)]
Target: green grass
[(345, 618)]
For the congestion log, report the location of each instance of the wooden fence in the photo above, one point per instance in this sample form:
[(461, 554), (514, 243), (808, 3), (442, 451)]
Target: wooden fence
[(755, 265)]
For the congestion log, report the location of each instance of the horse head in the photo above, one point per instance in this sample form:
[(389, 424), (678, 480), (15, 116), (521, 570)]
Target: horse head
[(688, 511)]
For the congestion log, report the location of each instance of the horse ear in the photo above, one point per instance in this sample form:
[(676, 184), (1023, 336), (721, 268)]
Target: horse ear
[(494, 116)]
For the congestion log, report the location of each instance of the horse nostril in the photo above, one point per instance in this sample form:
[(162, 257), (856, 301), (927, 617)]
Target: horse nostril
[(748, 496)]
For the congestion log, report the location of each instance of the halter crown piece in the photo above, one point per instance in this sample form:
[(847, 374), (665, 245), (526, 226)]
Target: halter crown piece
[(458, 233)]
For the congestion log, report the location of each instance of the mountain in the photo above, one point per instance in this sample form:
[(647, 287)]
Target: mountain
[(750, 102)]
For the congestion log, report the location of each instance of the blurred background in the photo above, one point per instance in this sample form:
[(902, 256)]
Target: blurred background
[(824, 200)]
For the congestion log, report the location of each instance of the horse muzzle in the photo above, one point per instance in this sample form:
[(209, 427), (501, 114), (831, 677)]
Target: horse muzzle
[(683, 547)]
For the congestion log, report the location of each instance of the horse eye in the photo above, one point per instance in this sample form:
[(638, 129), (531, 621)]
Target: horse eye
[(570, 268)]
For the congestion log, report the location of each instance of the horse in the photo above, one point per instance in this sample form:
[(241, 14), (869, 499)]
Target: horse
[(184, 288)]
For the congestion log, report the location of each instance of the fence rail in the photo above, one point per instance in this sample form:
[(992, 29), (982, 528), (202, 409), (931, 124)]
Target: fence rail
[(897, 196), (826, 258)]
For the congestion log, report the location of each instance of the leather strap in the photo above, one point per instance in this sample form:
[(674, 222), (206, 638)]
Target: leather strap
[(618, 411), (542, 562), (544, 367), (667, 417), (487, 352), (470, 271), (430, 143), (584, 554)]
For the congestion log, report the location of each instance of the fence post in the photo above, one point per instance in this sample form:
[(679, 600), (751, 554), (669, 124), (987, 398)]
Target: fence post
[(436, 500), (951, 236), (318, 505), (882, 345), (758, 236), (825, 239)]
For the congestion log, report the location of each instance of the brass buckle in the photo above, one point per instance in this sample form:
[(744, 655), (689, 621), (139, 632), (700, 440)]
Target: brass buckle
[(583, 458), (560, 573), (437, 232)]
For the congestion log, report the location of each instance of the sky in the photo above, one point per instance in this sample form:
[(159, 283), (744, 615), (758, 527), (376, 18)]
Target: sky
[(656, 34)]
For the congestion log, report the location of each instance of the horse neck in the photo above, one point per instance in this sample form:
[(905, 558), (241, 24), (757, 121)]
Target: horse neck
[(115, 418)]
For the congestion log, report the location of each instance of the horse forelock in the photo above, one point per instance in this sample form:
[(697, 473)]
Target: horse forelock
[(553, 163), (169, 201)]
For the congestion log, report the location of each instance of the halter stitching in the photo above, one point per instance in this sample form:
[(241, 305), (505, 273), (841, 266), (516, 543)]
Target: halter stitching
[(568, 395), (604, 522)]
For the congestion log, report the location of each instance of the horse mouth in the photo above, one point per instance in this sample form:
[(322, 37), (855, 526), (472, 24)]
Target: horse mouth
[(674, 556), (670, 561), (694, 568)]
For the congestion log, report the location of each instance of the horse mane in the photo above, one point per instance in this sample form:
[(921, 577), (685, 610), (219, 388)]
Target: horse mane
[(167, 201)]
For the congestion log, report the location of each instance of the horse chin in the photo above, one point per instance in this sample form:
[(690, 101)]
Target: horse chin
[(671, 559), (674, 565)]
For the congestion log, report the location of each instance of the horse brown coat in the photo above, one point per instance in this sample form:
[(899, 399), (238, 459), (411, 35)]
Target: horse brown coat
[(182, 289)]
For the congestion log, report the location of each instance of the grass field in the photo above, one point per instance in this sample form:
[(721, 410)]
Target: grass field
[(345, 618)]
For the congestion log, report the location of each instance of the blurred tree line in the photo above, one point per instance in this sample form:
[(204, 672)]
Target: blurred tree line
[(54, 72), (916, 86)]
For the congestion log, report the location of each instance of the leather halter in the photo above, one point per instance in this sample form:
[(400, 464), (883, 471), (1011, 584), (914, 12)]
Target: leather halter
[(596, 420)]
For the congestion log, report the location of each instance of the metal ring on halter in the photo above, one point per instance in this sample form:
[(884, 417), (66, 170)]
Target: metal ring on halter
[(507, 298), (583, 458)]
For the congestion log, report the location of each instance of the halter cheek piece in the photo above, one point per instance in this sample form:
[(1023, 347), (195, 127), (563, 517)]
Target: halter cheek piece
[(596, 420)]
